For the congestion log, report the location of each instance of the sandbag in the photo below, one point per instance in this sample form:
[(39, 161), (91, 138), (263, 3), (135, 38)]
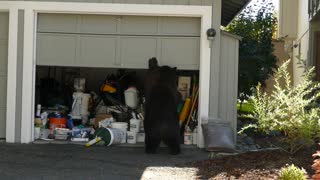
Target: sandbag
[(218, 137)]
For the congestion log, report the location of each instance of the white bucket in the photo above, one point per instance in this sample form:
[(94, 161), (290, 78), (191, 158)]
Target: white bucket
[(140, 137), (37, 133), (123, 127), (117, 136), (132, 137), (44, 133), (135, 125), (131, 97)]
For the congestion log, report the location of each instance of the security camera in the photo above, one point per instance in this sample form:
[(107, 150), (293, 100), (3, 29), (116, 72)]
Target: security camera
[(211, 33)]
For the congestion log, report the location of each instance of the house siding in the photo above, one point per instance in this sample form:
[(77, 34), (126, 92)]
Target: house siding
[(295, 26), (228, 86)]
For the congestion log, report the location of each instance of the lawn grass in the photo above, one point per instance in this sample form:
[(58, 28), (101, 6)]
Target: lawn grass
[(247, 108)]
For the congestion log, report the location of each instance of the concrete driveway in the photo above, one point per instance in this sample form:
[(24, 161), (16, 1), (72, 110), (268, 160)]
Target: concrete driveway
[(55, 161)]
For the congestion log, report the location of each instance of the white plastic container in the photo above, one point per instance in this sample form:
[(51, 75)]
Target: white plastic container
[(195, 136), (135, 125), (80, 105), (117, 136), (131, 97), (132, 137), (44, 133), (140, 137), (188, 137), (37, 133), (123, 127)]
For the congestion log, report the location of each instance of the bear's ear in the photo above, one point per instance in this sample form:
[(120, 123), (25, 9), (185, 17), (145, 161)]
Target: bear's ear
[(153, 63)]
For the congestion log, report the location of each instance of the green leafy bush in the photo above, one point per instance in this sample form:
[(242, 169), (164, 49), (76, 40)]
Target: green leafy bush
[(289, 109), (292, 173)]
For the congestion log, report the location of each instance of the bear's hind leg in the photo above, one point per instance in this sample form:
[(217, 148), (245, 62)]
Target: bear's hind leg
[(174, 145), (152, 143)]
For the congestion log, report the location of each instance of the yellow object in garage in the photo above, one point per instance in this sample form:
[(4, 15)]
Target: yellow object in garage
[(185, 110), (109, 89)]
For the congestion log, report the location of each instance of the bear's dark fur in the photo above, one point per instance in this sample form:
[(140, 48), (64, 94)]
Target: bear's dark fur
[(161, 119)]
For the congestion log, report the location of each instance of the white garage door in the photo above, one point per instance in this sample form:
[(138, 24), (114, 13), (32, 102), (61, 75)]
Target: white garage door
[(117, 41), (4, 18)]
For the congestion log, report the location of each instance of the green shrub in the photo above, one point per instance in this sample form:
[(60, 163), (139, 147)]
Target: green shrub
[(292, 173), (289, 109)]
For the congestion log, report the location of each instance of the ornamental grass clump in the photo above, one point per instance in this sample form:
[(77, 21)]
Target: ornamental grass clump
[(292, 173), (291, 110)]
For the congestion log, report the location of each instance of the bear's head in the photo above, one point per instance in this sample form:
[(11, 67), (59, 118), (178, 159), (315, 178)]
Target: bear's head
[(168, 75)]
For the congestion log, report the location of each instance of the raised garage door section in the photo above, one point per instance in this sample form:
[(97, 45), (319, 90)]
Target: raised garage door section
[(117, 41), (4, 20)]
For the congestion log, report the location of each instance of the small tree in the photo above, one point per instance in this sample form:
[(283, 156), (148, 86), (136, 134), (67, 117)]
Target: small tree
[(256, 59), (290, 109)]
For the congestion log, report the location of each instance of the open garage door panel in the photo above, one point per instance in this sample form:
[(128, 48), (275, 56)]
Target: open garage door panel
[(4, 21), (117, 41)]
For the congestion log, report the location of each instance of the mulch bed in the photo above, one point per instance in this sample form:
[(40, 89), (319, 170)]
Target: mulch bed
[(253, 165)]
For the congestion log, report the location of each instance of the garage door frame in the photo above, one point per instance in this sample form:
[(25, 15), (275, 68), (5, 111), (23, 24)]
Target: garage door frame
[(31, 10)]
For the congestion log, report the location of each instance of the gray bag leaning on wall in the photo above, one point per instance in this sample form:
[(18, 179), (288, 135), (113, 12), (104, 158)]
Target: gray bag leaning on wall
[(218, 136)]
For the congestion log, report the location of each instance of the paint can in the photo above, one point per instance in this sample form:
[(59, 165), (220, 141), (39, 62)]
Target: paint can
[(123, 127), (135, 125), (132, 137), (188, 137)]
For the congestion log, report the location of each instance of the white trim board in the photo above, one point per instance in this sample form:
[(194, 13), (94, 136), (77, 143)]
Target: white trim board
[(31, 10), (12, 75)]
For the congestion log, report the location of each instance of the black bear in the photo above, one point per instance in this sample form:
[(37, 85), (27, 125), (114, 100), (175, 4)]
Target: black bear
[(161, 118)]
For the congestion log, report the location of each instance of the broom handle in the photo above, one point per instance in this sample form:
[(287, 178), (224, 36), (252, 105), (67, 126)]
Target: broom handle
[(93, 141), (193, 106)]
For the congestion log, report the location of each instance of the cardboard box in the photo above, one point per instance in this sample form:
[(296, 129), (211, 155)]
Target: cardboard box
[(100, 117), (184, 85)]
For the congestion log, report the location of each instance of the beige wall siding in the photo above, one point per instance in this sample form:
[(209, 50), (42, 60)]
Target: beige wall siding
[(294, 23), (302, 41), (302, 50), (4, 18)]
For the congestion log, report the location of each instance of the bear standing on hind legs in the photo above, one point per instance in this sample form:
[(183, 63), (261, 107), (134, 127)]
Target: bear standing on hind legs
[(161, 119)]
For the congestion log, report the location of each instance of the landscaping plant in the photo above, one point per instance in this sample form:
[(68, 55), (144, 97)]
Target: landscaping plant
[(290, 110), (292, 173)]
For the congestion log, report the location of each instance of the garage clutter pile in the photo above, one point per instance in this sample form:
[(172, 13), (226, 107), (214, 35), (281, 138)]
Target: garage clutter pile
[(112, 116)]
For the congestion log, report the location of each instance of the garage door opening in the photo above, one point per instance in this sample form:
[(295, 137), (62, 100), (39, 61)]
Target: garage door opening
[(103, 50), (56, 93)]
